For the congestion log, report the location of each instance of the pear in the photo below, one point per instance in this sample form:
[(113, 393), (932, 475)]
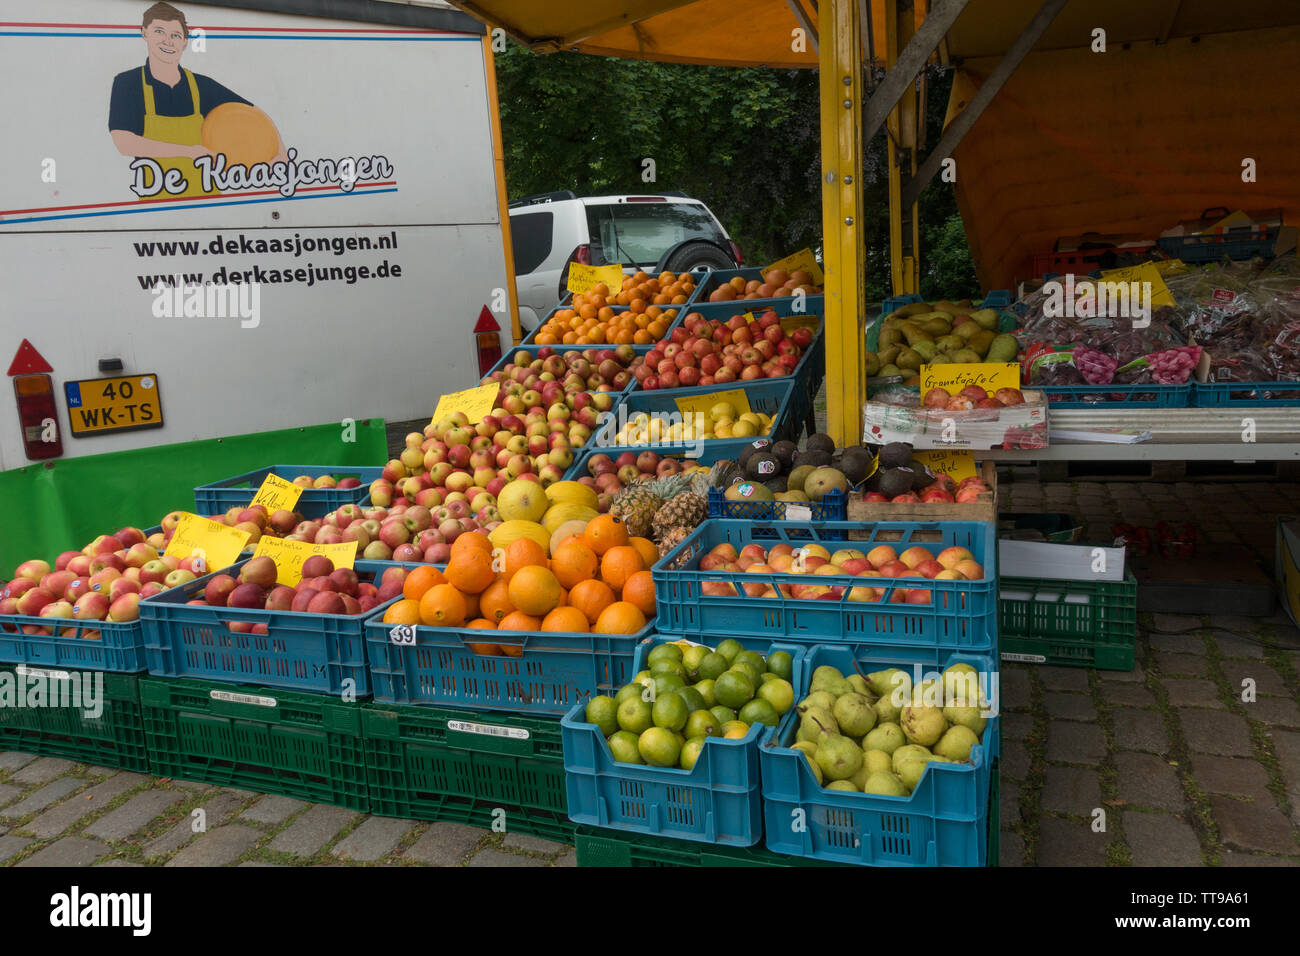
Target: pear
[(968, 717), (956, 743), (923, 724), (815, 721), (877, 760), (887, 711), (809, 750), (824, 675), (928, 692), (846, 785), (911, 770), (854, 715), (886, 737), (860, 685), (961, 685), (818, 698), (909, 752), (883, 682), (885, 785), (839, 757)]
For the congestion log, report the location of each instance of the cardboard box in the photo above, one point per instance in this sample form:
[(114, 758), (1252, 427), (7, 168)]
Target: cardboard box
[(1019, 426), (1287, 564), (983, 508), (1059, 562)]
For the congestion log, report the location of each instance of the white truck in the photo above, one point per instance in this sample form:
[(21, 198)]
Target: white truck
[(218, 219)]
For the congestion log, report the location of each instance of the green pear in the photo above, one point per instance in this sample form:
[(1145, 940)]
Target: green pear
[(854, 714), (884, 682), (923, 724), (968, 717), (886, 737), (885, 785), (860, 685), (845, 785), (818, 698), (877, 760), (839, 757), (887, 711), (961, 685), (908, 752), (956, 743), (824, 675), (815, 721)]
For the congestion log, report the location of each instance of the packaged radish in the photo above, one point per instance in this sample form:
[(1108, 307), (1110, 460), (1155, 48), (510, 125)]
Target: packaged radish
[(1168, 367)]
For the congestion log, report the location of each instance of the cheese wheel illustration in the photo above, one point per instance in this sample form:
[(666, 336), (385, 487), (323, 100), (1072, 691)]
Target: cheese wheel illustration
[(243, 133)]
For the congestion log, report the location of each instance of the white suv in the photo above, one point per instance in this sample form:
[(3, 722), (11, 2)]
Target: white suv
[(666, 231)]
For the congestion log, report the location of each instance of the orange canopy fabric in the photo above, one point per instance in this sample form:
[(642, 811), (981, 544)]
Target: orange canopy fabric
[(1130, 141)]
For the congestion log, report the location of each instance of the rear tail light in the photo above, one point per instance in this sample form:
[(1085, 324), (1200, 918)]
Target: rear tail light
[(38, 416), (735, 251)]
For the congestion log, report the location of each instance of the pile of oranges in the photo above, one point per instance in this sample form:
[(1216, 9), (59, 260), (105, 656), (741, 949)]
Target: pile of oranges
[(597, 317), (597, 582), (776, 283)]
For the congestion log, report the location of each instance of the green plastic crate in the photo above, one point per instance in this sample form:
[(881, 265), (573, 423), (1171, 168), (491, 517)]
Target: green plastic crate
[(1046, 628), (113, 739), (429, 763), (615, 848), (265, 739)]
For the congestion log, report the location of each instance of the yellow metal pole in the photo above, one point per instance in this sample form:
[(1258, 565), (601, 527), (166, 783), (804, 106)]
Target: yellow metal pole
[(503, 202), (840, 54), (909, 138)]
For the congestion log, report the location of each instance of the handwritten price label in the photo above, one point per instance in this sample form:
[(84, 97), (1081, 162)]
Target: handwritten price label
[(215, 544), (585, 278), (749, 317), (702, 404), (989, 376), (290, 555), (956, 464), (475, 402), (276, 494), (804, 321), (1147, 272), (803, 259)]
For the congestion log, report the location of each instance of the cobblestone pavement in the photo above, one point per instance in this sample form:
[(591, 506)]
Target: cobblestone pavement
[(1164, 765)]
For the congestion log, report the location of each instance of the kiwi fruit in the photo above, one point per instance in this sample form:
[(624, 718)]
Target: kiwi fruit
[(897, 481), (816, 457), (761, 466), (897, 454), (820, 442), (759, 444), (785, 452)]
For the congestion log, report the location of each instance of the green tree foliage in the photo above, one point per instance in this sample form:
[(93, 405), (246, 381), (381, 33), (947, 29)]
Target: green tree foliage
[(745, 141)]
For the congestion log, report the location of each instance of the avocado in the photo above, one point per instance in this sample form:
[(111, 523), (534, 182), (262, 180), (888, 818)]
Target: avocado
[(759, 444), (924, 476), (895, 455), (855, 463), (785, 452), (777, 485), (897, 481), (820, 442), (761, 466), (816, 458)]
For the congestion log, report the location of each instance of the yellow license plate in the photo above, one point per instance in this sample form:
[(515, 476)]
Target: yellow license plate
[(124, 403)]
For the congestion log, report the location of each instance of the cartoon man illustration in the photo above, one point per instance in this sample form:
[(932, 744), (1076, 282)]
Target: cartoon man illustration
[(157, 111)]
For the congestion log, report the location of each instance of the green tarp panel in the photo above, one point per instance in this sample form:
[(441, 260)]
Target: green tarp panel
[(61, 505)]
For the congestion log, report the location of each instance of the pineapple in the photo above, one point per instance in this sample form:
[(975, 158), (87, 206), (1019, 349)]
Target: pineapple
[(671, 539), (636, 505), (684, 513)]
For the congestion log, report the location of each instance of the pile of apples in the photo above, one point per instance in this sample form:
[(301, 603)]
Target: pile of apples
[(406, 532), (545, 409), (775, 284), (971, 397), (608, 476), (711, 352), (105, 581), (323, 589), (881, 562), (942, 489), (326, 481)]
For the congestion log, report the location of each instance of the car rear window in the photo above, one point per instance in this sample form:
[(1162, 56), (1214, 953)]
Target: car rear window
[(530, 235), (640, 233)]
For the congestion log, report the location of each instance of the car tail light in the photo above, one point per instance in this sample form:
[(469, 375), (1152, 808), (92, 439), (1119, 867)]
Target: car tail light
[(735, 251), (38, 416), (646, 199)]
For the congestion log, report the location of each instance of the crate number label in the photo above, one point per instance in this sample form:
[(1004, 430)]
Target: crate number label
[(1025, 658), (488, 730), (403, 634), (255, 699), (23, 671)]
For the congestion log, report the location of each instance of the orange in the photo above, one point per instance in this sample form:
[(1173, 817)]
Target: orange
[(646, 548), (619, 564), (621, 617), (534, 590), (639, 589), (471, 539), (494, 603), (471, 570), (482, 624), (519, 621), (420, 580), (604, 532), (487, 650), (403, 612), (442, 606), (591, 597), (471, 606), (573, 562), (567, 620), (521, 553), (511, 650)]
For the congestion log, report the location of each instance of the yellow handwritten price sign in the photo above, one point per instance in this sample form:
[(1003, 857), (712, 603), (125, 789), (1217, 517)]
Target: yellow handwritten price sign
[(804, 321), (989, 376), (703, 404), (289, 556), (1147, 272), (475, 402), (215, 544), (749, 317), (954, 463), (803, 259), (276, 494), (584, 278)]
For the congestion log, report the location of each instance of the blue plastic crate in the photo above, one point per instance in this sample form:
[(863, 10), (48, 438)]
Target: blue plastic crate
[(815, 302), (118, 647), (1245, 394), (961, 615), (1117, 396), (943, 822), (1245, 243), (897, 301), (771, 396), (314, 652), (530, 340), (998, 299), (717, 801), (552, 672), (220, 496), (834, 507), (588, 451)]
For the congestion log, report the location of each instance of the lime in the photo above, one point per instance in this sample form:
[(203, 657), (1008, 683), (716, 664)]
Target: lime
[(733, 689), (670, 711), (663, 666), (705, 689), (694, 699), (759, 711), (623, 746), (754, 658), (722, 714), (641, 677), (692, 656), (603, 712), (667, 683), (712, 665), (634, 715), (729, 649), (766, 676), (659, 747), (747, 668), (735, 729), (691, 752), (664, 652), (781, 664), (778, 693), (628, 690), (701, 723)]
